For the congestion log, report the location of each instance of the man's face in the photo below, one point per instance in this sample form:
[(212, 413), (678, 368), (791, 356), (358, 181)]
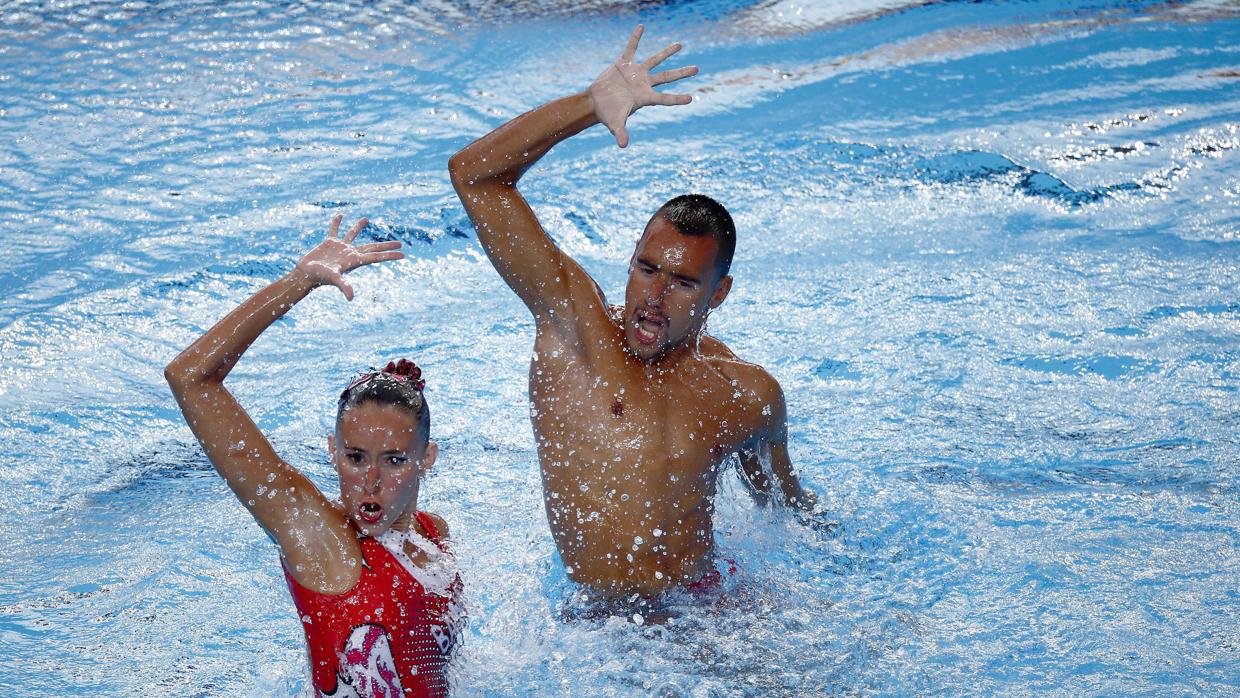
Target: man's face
[(672, 283)]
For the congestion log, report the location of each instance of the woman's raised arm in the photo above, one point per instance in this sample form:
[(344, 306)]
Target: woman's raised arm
[(281, 499)]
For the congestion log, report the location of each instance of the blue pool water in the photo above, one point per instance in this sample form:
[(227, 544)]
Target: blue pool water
[(991, 251)]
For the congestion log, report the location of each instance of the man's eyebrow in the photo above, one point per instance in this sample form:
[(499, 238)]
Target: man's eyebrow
[(647, 262)]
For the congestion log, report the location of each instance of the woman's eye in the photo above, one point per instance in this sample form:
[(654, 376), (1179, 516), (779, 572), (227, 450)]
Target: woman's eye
[(398, 461), (354, 458)]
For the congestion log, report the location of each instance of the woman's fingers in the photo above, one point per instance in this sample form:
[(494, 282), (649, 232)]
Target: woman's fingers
[(335, 279), (378, 246), (333, 230), (374, 257), (357, 228)]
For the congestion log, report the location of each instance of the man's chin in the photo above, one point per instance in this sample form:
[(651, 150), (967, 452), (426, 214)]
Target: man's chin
[(646, 351)]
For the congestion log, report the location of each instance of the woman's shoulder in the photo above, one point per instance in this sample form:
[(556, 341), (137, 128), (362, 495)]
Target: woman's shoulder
[(434, 525)]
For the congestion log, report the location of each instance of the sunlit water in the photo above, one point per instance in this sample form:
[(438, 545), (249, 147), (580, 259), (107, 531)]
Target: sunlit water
[(990, 251)]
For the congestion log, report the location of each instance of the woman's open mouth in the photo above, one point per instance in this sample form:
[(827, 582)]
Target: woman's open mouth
[(370, 512)]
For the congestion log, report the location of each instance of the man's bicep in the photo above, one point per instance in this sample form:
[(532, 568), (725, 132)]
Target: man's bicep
[(526, 257), (784, 483), (765, 455)]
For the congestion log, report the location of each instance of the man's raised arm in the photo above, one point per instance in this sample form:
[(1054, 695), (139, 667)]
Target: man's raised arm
[(486, 172)]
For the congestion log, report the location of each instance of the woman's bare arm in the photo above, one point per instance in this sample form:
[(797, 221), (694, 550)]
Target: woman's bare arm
[(281, 499)]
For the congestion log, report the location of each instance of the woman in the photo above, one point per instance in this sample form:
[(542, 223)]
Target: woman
[(375, 587)]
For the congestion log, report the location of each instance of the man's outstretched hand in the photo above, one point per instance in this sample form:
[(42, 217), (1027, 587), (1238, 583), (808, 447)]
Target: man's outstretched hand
[(627, 86)]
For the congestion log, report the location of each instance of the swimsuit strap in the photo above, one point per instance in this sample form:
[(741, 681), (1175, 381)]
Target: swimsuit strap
[(428, 525), (437, 574)]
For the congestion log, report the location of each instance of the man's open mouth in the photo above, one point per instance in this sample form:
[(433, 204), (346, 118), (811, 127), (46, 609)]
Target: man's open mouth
[(647, 327)]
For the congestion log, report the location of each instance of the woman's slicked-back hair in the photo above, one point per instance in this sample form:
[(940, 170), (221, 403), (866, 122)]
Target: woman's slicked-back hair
[(399, 383), (699, 215)]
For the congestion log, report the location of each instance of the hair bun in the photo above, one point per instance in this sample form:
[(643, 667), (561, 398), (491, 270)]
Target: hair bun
[(406, 370)]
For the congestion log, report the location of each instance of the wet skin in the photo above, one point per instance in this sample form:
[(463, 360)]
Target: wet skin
[(380, 461), (634, 409), (376, 450), (634, 421)]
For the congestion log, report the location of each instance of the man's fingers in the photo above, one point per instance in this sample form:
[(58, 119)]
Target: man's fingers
[(656, 59), (673, 75), (333, 230), (673, 100), (357, 228), (616, 126), (631, 49)]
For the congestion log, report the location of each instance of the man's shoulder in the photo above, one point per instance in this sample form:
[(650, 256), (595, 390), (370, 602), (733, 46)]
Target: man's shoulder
[(747, 376), (576, 336)]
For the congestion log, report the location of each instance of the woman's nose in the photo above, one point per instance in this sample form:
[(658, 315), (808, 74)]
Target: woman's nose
[(372, 478)]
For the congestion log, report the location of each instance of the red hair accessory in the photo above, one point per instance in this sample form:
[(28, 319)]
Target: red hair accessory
[(403, 370), (407, 371)]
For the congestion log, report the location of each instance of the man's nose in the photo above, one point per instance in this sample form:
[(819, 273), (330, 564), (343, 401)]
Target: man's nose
[(657, 291)]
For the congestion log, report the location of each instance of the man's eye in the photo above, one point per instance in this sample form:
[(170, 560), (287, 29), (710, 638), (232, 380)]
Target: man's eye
[(686, 284)]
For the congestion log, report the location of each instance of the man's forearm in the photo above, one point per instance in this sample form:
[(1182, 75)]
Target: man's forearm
[(791, 492), (507, 152)]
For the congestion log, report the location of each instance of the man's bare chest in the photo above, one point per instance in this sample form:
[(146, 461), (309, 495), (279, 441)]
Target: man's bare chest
[(695, 414)]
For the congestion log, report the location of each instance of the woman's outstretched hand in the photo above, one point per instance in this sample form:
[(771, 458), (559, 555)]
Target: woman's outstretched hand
[(331, 259), (627, 86)]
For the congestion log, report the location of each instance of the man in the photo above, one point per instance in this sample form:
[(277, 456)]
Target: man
[(635, 409)]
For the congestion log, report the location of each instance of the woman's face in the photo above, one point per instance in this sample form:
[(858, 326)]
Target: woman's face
[(380, 459)]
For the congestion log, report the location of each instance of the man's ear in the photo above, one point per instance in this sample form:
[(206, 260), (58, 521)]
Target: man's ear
[(428, 458), (721, 291)]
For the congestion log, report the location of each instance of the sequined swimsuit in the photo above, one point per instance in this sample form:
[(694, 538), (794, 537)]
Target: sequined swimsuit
[(390, 635)]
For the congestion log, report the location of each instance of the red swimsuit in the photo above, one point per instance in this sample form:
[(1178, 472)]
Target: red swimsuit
[(387, 636)]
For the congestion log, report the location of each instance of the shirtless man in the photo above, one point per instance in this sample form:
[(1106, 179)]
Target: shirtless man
[(635, 409)]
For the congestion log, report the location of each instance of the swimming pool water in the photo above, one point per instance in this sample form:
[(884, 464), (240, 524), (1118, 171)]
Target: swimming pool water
[(991, 252)]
